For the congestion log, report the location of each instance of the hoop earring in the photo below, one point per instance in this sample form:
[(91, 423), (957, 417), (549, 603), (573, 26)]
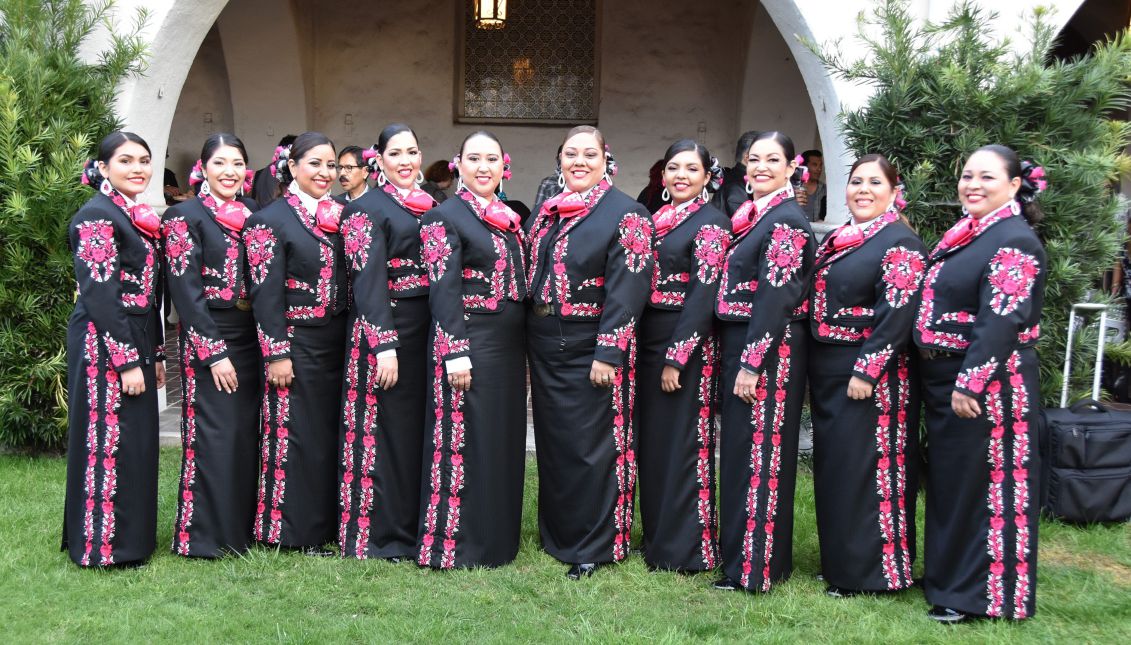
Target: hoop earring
[(381, 178), (1015, 207), (965, 213), (419, 178), (205, 189), (666, 196), (459, 184), (749, 188), (703, 194), (561, 180), (607, 178)]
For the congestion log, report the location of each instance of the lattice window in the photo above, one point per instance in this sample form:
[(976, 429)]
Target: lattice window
[(541, 66)]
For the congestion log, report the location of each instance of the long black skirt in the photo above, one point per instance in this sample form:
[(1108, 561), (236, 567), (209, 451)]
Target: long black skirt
[(297, 504), (758, 460), (382, 439), (471, 506), (676, 453), (586, 445), (110, 516), (865, 470), (982, 511), (219, 444)]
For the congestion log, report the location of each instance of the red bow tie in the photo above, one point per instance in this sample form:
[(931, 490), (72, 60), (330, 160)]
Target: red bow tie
[(232, 215), (846, 237), (565, 204), (743, 218), (328, 215), (958, 234), (664, 219), (418, 202), (146, 220), (500, 216)]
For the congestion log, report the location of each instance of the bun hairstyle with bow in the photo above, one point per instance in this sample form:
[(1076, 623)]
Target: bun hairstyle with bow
[(710, 164), (1033, 181), (211, 145), (610, 163), (91, 175), (302, 146), (800, 174)]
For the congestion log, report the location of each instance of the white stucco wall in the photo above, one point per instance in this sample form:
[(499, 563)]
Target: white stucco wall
[(285, 75), (205, 107)]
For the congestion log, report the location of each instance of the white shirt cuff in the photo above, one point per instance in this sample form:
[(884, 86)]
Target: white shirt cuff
[(460, 364), (388, 353)]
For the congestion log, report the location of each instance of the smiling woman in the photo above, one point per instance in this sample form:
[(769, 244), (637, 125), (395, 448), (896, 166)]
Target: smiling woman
[(299, 294)]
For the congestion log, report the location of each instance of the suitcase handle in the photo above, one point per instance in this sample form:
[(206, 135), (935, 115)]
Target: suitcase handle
[(1089, 307), (1090, 404)]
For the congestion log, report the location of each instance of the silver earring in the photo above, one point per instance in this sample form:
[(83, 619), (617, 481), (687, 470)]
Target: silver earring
[(749, 188), (1015, 207), (205, 189), (381, 178), (561, 180), (666, 196), (419, 177), (607, 178), (703, 194), (459, 184)]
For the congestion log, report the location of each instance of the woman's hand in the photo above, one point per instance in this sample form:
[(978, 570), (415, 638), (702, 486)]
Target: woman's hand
[(602, 374), (224, 375), (965, 407), (160, 369), (669, 379), (460, 380), (859, 389), (745, 385), (133, 381), (387, 372), (280, 373)]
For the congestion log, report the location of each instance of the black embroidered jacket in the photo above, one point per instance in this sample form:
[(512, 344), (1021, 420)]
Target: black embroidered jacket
[(865, 294)]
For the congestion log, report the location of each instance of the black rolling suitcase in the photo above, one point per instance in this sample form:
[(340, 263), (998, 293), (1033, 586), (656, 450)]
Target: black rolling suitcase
[(1086, 450)]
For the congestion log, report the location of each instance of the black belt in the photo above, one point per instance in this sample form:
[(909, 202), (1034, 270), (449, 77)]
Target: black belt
[(543, 309), (243, 304)]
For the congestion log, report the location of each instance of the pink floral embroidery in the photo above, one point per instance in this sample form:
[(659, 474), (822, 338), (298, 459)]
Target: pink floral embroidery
[(758, 468), (681, 351), (145, 282), (185, 506), (902, 270), (784, 253), (1029, 334), (705, 506), (960, 317), (108, 415), (360, 403), (711, 243), (496, 280), (1021, 448), (109, 466), (357, 234), (409, 282), (755, 352), (930, 337), (444, 345), (435, 250), (260, 241), (178, 245), (854, 312), (619, 337), (873, 363), (623, 397), (545, 221), (892, 461), (121, 353), (276, 417), (636, 239), (976, 378), (229, 276), (1012, 276), (995, 546), (272, 347), (205, 348), (321, 291), (97, 248), (93, 360)]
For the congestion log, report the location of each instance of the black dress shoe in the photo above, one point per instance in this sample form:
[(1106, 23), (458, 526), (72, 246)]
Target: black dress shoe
[(726, 583), (577, 571), (833, 591), (946, 615)]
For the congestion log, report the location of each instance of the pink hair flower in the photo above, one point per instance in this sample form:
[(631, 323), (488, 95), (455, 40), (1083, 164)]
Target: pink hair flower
[(368, 153), (453, 163)]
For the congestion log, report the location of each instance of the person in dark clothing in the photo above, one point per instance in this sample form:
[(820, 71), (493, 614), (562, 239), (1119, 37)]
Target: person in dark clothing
[(264, 187), (733, 194)]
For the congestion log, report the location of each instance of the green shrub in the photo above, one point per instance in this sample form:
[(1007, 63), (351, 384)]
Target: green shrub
[(943, 90), (54, 108)]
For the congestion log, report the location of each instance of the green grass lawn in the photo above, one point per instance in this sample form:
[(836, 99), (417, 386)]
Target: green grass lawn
[(1084, 592)]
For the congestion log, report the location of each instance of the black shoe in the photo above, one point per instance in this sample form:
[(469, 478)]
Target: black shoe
[(946, 615), (833, 591), (318, 552), (577, 571), (726, 583)]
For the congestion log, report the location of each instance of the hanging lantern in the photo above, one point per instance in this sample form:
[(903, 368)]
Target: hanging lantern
[(490, 14)]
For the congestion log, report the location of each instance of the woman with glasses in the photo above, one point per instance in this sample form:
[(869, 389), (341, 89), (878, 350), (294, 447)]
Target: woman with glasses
[(221, 373), (386, 385), (299, 294), (115, 362)]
